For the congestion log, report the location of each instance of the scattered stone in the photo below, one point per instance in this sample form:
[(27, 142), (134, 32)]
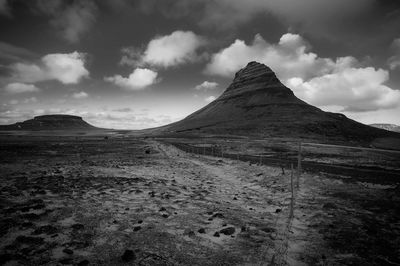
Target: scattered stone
[(202, 231), (216, 234), (77, 226), (228, 231), (128, 255), (45, 229), (329, 205), (83, 263), (267, 229), (30, 240), (30, 216), (68, 251), (65, 261), (218, 215)]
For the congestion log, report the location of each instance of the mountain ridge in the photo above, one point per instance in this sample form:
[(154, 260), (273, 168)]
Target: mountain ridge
[(51, 122)]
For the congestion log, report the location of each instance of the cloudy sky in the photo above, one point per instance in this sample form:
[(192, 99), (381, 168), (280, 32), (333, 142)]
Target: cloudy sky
[(145, 63)]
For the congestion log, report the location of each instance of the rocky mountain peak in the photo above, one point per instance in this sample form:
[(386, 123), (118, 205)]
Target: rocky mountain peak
[(256, 77)]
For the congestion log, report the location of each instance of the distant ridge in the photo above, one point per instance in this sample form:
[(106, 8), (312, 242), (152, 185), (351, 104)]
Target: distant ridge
[(51, 122), (258, 104), (390, 127)]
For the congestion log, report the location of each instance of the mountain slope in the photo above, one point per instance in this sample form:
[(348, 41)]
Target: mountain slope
[(257, 103), (51, 122)]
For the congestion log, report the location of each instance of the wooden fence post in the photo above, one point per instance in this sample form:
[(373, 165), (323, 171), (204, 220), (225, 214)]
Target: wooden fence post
[(298, 166), (291, 188)]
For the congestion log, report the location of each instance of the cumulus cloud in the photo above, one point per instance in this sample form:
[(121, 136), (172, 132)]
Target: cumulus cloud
[(353, 89), (80, 95), (289, 57), (17, 87), (178, 48), (206, 85), (324, 82), (139, 79), (66, 68), (210, 99)]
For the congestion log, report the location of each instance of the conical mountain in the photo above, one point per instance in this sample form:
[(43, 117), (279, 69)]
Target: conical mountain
[(258, 104)]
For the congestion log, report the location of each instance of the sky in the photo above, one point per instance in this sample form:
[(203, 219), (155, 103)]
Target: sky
[(145, 63)]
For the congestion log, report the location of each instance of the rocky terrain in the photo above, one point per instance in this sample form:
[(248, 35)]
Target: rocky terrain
[(51, 122), (258, 104), (129, 201)]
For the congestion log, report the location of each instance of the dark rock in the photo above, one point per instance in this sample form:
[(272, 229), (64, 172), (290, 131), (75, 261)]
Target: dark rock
[(162, 209), (216, 234), (78, 226), (165, 215), (202, 231), (140, 221), (68, 251), (278, 210), (218, 215), (45, 229), (30, 240), (137, 228), (228, 231), (267, 229), (30, 216), (243, 228), (329, 205), (128, 255), (66, 261), (83, 263)]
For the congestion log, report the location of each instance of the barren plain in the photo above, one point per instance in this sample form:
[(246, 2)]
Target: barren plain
[(125, 200)]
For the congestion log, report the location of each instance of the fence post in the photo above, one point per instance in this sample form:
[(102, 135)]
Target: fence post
[(291, 188), (299, 166)]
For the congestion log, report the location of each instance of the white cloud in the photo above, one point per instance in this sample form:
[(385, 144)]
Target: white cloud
[(341, 84), (206, 85), (210, 99), (353, 89), (17, 87), (80, 95), (289, 58), (66, 68), (139, 79), (178, 48)]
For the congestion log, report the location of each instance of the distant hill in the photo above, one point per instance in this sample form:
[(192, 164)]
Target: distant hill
[(51, 122), (390, 127), (258, 104)]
